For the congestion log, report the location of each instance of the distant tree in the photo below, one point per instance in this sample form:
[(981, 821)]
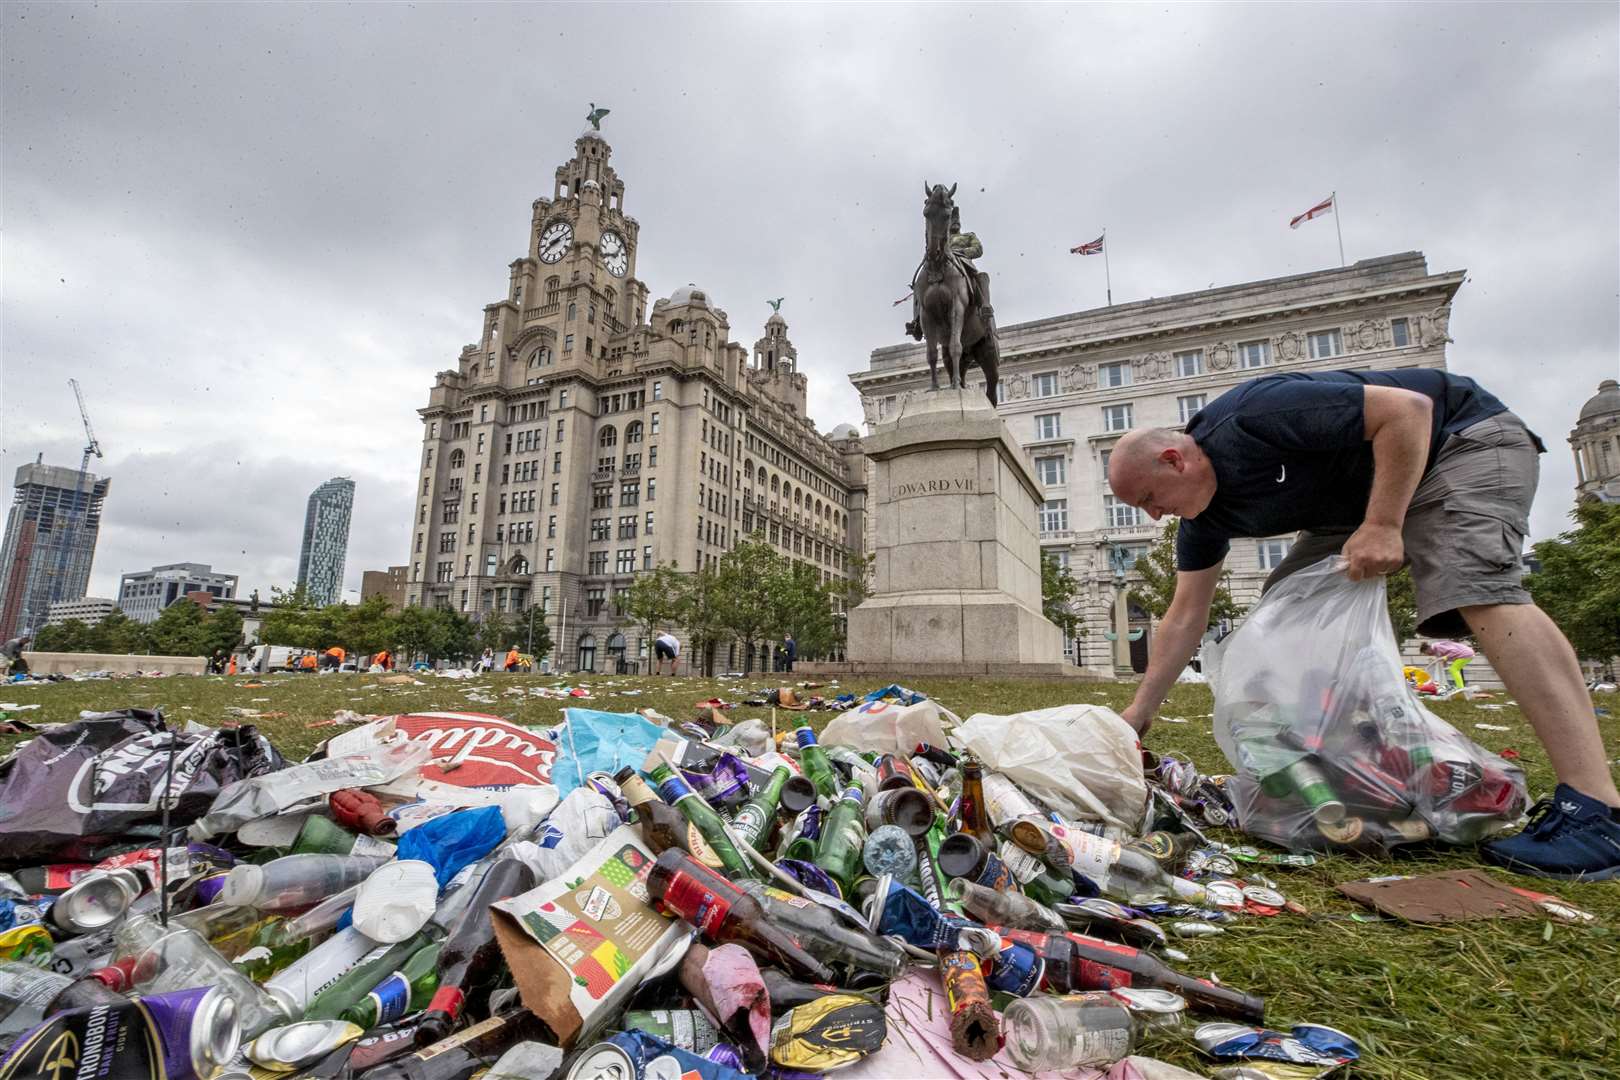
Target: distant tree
[(416, 633), (457, 637), (536, 634), (858, 585), (222, 630), (69, 635), (805, 608), (1402, 603), (118, 633), (654, 599), (700, 615), (1158, 585), (751, 587), (495, 633), (298, 621), (1578, 584), (181, 629), (367, 627), (1060, 594)]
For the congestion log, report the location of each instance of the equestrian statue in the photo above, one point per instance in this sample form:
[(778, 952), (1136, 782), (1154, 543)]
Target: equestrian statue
[(951, 297)]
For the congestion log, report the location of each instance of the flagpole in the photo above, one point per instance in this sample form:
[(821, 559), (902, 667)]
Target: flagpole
[(1108, 278), (1337, 228)]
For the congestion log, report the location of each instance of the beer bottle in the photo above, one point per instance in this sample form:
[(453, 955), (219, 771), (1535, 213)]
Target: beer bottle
[(723, 912), (817, 766), (405, 991), (839, 850), (675, 790), (468, 1052), (974, 812), (894, 772), (1103, 965), (471, 960), (789, 993), (323, 836), (662, 826), (1005, 908), (1126, 874), (351, 986), (753, 822), (826, 937)]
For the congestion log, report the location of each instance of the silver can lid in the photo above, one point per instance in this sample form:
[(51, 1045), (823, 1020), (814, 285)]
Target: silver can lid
[(95, 900), (1224, 894), (216, 1032), (295, 1045), (1159, 1008), (604, 1061), (1262, 895)]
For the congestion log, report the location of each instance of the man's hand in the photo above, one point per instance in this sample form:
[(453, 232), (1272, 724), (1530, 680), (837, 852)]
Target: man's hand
[(1372, 550), (1140, 719)]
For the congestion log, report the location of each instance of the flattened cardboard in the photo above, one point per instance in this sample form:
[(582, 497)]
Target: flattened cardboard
[(1447, 896), (580, 944)]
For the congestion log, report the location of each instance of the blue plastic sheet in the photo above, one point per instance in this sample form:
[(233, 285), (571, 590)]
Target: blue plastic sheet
[(591, 741), (452, 841), (898, 693)]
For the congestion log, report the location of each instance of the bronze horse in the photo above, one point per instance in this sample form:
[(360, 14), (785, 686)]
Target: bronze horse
[(952, 315)]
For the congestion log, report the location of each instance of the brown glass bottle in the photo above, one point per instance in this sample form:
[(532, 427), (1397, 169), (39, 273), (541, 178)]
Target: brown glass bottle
[(470, 960), (466, 1053), (662, 826), (723, 913), (1103, 965), (974, 813)]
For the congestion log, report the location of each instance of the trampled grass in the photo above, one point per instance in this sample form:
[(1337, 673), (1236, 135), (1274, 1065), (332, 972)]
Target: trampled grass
[(1526, 999)]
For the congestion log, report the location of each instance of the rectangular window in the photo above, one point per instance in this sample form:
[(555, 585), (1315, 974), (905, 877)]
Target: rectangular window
[(491, 564), (1117, 417), (1271, 553), (1254, 354), (658, 390), (646, 557), (551, 559), (556, 463), (625, 561), (481, 442), (554, 493), (600, 528), (551, 526), (652, 488), (1049, 470), (652, 455), (627, 527), (1325, 344), (568, 343), (654, 420), (1054, 515), (594, 598), (598, 563), (1400, 333), (1188, 404), (1120, 515), (1045, 384), (649, 523), (1190, 362), (630, 494), (1048, 426), (1110, 375)]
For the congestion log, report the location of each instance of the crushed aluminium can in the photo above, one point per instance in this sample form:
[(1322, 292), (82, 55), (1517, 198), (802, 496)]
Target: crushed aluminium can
[(1307, 1044), (635, 1055), (180, 1036)]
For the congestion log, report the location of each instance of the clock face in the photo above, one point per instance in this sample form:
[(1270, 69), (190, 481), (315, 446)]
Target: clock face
[(554, 241), (614, 254)]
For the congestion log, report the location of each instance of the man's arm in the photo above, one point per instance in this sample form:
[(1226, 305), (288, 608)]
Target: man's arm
[(1175, 641), (1397, 425)]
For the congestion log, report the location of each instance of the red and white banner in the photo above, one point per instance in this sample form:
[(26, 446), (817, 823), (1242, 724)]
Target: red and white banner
[(481, 751), (1321, 208), (1093, 248)]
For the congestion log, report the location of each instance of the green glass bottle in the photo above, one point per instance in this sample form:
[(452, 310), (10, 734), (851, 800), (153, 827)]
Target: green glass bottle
[(818, 768), (405, 991), (353, 986), (843, 834), (269, 951), (323, 836), (753, 822), (675, 791)]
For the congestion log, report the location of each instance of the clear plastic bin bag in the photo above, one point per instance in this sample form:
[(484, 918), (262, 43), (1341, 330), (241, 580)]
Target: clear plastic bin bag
[(1329, 745)]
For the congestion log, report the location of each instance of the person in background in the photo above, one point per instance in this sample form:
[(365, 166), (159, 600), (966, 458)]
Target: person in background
[(1455, 653), (486, 662), (666, 646), (511, 659), (383, 660), (790, 653), (307, 662), (230, 665), (13, 652), (335, 657)]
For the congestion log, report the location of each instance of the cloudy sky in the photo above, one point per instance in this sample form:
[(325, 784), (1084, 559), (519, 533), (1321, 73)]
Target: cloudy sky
[(254, 232)]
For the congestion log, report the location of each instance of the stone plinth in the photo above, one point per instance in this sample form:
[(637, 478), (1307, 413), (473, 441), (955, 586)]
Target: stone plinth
[(957, 570)]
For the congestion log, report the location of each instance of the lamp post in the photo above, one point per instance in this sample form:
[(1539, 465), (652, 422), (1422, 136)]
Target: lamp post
[(1121, 635)]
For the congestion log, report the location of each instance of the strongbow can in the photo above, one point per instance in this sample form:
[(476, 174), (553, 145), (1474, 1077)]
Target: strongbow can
[(180, 1036)]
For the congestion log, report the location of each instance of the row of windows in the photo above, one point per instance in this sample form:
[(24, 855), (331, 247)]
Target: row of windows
[(1116, 418)]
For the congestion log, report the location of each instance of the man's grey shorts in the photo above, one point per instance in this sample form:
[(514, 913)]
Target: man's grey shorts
[(1464, 529)]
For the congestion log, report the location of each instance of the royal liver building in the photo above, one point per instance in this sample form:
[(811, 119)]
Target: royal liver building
[(586, 437)]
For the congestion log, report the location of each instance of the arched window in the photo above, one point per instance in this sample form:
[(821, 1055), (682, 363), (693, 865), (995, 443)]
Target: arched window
[(553, 284), (519, 565), (609, 437), (632, 432), (760, 476), (457, 459), (587, 653), (541, 357), (775, 487)]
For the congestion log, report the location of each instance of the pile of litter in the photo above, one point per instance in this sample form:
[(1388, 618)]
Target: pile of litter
[(439, 896)]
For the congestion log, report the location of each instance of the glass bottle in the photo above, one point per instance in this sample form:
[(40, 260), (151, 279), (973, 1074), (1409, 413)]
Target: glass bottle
[(662, 826), (975, 814), (675, 790), (827, 937), (1005, 908), (404, 992), (29, 994), (754, 820), (469, 1050), (296, 880), (842, 836), (1125, 874), (1103, 965), (470, 960), (817, 766), (1049, 1034), (323, 836)]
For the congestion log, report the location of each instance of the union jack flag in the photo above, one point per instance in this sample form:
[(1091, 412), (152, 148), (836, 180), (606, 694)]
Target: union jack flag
[(1323, 207), (1093, 248)]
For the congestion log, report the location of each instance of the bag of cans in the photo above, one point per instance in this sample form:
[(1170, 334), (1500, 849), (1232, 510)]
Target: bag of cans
[(1330, 746)]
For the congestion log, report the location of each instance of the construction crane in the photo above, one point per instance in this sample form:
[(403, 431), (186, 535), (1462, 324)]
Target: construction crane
[(78, 512)]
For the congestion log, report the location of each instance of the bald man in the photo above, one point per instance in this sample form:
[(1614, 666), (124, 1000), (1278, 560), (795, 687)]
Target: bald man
[(1386, 468)]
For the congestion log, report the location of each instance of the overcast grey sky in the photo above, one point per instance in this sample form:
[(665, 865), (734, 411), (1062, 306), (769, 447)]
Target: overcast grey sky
[(254, 232)]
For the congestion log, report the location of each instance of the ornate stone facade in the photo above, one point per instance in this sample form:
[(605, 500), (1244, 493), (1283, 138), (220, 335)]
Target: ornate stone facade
[(1071, 384), (585, 438), (1596, 443)]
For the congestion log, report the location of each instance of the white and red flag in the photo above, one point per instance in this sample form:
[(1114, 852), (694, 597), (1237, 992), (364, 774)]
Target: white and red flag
[(1320, 209), (1093, 248)]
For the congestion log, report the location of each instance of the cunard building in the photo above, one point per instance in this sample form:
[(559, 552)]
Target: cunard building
[(590, 435)]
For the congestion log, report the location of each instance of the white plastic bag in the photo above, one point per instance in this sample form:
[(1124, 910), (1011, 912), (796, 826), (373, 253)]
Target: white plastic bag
[(1081, 760), (887, 727), (1330, 745)]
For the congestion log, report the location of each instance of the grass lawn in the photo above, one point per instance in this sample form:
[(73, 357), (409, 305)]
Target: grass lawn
[(1526, 999)]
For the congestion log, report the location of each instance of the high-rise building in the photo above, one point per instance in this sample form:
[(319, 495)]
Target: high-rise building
[(326, 540), (86, 609), (1071, 385), (143, 594), (1596, 442), (585, 438), (50, 543)]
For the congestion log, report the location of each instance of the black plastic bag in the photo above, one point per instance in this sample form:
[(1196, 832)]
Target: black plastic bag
[(100, 780)]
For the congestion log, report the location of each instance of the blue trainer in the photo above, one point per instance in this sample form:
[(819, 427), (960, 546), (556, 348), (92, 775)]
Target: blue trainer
[(1570, 836)]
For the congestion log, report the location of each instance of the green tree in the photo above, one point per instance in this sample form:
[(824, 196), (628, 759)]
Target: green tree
[(118, 633), (536, 631), (1402, 603), (654, 599), (181, 629), (222, 630), (495, 633), (457, 637), (1578, 584), (805, 608), (1060, 595), (298, 621), (700, 614), (367, 627), (750, 588), (70, 635), (1158, 585)]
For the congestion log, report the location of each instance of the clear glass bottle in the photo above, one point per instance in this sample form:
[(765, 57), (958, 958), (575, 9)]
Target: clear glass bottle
[(1046, 1033)]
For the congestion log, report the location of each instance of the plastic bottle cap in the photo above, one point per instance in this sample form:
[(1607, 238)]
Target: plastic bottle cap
[(242, 885), (396, 900)]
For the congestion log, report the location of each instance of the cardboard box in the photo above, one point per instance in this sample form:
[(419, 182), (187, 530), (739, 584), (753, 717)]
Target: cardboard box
[(579, 945)]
